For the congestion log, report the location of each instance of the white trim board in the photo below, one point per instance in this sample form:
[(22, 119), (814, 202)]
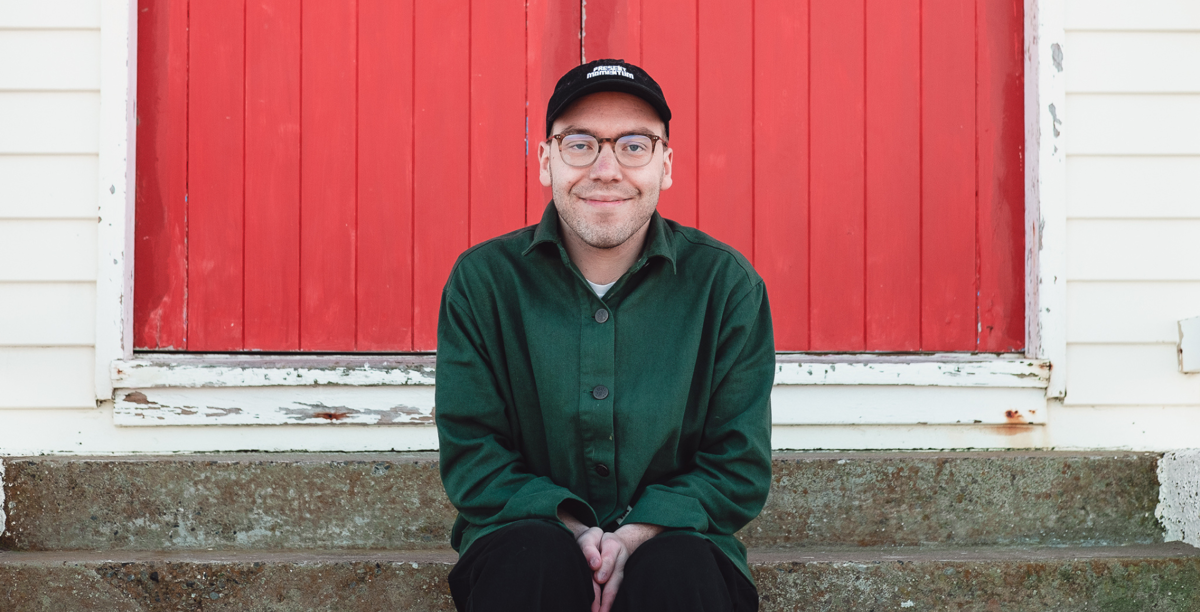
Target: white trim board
[(118, 374), (397, 390), (341, 405), (201, 371)]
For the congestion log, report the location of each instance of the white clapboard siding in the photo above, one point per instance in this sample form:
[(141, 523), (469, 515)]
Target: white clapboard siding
[(49, 186), (46, 378), (1132, 124), (1138, 312), (47, 314), (1135, 427), (1133, 249), (92, 432), (49, 122), (1133, 187), (882, 405), (1128, 374), (1133, 15), (1133, 62), (49, 60), (50, 13), (47, 250)]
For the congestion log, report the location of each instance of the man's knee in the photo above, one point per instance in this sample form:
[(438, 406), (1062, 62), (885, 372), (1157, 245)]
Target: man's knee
[(533, 536), (672, 550)]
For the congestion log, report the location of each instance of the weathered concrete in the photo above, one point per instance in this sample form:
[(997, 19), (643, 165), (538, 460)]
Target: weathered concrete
[(1141, 578), (1179, 495), (395, 500), (957, 499), (227, 502)]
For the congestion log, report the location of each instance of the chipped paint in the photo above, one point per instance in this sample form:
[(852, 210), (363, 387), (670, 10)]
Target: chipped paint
[(218, 371), (1014, 373), (374, 405)]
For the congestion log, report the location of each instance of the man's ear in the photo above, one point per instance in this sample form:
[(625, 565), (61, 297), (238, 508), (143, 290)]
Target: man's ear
[(668, 158), (544, 163)]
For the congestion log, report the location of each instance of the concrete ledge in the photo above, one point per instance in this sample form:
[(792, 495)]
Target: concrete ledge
[(395, 500), (1160, 577)]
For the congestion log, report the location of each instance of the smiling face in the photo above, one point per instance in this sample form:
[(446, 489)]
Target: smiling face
[(605, 204)]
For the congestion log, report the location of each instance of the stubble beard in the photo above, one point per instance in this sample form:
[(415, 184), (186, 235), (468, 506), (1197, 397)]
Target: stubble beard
[(603, 236)]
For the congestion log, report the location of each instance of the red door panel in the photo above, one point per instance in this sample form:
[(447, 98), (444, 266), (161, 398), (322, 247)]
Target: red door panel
[(308, 170)]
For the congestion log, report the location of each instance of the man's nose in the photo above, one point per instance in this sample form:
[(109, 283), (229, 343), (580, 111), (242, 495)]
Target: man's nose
[(606, 167)]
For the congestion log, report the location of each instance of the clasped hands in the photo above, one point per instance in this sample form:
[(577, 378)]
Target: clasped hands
[(606, 554)]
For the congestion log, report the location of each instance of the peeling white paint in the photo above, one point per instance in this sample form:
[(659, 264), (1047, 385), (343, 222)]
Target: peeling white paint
[(945, 370), (910, 371), (220, 371), (1179, 496), (274, 406)]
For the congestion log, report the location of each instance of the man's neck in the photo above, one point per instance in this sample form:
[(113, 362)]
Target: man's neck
[(603, 266)]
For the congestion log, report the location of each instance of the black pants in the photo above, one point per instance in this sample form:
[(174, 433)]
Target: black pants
[(536, 566)]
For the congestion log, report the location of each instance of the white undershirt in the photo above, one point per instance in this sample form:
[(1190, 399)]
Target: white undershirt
[(601, 289)]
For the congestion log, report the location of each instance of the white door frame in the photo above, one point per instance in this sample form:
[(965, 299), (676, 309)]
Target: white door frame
[(1041, 366)]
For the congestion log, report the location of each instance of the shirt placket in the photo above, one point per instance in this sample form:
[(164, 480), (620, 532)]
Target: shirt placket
[(598, 360)]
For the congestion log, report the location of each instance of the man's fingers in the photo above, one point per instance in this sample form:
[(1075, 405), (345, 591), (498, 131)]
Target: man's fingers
[(610, 549), (610, 591), (589, 544), (595, 596)]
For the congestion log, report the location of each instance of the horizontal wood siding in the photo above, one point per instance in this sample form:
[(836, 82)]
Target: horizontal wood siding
[(49, 186), (1133, 264), (49, 138)]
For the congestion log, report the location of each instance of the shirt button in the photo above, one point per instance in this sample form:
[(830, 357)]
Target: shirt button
[(602, 470), (601, 315), (600, 392)]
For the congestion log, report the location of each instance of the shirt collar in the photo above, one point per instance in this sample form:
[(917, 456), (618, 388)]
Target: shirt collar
[(659, 241)]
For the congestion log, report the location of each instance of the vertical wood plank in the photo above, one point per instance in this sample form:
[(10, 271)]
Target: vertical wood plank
[(837, 160), (328, 168), (726, 134), (160, 259), (893, 175), (781, 164), (948, 268), (497, 129), (272, 176), (215, 172), (613, 29), (551, 49), (669, 55), (1000, 138), (441, 103), (385, 173)]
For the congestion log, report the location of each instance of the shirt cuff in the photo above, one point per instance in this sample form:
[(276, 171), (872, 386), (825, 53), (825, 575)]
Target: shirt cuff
[(658, 506), (540, 499)]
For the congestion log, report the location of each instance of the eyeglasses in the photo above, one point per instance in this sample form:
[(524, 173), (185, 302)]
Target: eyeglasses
[(581, 150)]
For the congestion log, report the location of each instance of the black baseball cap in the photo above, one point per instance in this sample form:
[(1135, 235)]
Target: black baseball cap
[(606, 75)]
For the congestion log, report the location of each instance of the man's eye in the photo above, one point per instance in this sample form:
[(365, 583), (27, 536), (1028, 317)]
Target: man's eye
[(634, 147), (579, 146)]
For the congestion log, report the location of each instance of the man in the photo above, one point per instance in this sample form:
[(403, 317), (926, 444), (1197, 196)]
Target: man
[(603, 382)]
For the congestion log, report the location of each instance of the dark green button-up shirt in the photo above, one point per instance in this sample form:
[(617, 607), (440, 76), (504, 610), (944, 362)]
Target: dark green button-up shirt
[(650, 405)]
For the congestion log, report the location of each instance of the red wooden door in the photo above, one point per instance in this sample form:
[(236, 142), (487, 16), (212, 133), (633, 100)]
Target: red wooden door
[(308, 170)]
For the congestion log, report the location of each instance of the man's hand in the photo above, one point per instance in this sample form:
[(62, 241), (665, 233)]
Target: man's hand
[(606, 554)]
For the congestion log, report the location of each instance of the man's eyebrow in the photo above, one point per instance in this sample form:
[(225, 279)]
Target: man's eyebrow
[(640, 131)]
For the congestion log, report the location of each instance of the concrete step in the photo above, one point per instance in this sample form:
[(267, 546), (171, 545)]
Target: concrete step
[(1162, 577), (395, 501)]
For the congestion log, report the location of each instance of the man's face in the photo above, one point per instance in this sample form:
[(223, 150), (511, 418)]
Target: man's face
[(604, 204)]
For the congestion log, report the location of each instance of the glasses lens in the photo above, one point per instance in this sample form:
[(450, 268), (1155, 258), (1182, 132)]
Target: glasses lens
[(579, 149), (634, 150)]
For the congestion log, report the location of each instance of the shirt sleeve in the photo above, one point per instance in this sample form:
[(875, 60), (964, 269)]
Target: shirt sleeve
[(481, 468), (726, 486)]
